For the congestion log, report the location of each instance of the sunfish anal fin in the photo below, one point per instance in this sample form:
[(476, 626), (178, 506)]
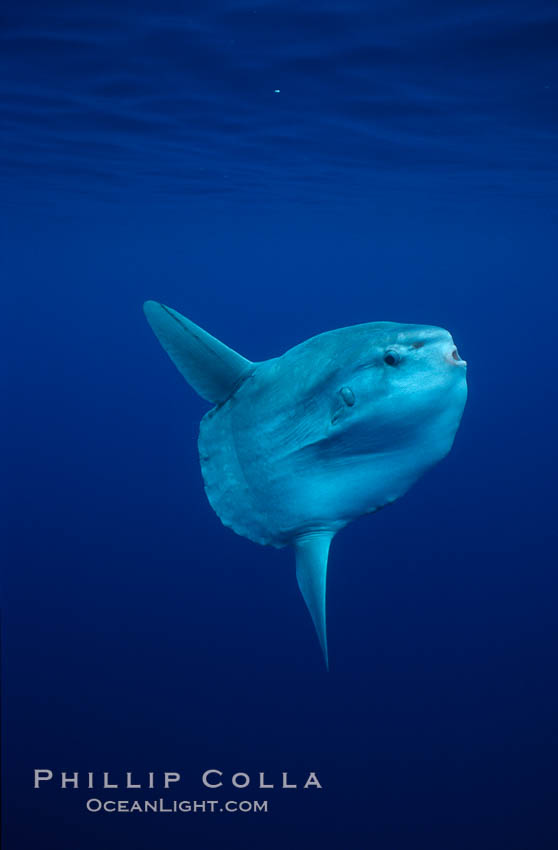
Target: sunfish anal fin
[(213, 369), (311, 572)]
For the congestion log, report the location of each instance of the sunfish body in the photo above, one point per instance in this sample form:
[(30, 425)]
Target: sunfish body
[(339, 426)]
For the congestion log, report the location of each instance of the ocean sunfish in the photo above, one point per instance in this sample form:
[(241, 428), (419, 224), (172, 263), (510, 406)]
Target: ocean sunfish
[(296, 447)]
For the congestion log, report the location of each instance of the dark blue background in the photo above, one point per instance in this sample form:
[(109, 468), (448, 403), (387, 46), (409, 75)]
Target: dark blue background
[(405, 171)]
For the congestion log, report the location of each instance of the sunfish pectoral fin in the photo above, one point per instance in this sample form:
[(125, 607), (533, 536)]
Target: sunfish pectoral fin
[(311, 572), (213, 369)]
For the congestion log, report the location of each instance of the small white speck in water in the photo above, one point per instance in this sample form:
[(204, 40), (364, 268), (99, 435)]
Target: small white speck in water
[(277, 91)]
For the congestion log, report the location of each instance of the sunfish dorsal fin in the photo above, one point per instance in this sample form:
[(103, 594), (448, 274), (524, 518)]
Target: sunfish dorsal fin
[(213, 369), (312, 552)]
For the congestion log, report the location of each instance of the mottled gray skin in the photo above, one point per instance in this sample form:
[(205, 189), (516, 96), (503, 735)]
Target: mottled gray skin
[(337, 427), (286, 455)]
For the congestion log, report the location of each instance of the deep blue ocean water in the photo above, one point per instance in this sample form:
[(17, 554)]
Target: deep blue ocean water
[(404, 170)]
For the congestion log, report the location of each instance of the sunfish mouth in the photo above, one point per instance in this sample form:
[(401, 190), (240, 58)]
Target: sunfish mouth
[(455, 356)]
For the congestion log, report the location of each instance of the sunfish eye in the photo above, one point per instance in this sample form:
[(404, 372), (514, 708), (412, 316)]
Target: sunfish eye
[(347, 395), (392, 357)]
